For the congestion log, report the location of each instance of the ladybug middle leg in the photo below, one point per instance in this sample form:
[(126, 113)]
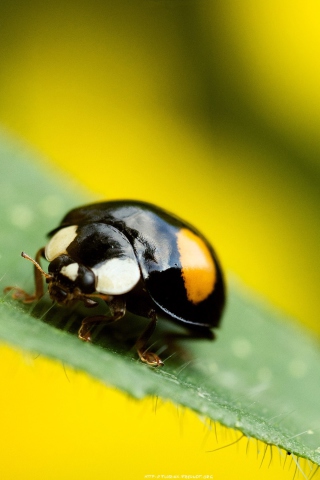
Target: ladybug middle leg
[(118, 306)]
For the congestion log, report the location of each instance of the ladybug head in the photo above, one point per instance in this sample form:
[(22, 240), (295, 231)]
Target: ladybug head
[(69, 281)]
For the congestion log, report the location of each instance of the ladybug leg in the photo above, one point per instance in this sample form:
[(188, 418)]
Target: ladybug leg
[(118, 306), (22, 295), (141, 344)]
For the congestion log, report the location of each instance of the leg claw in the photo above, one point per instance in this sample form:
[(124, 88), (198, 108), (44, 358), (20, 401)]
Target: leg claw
[(150, 359), (85, 336)]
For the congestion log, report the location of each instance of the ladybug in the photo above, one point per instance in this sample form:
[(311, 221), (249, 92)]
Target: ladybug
[(135, 256)]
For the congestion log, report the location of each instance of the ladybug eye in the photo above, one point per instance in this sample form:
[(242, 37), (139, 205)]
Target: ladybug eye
[(86, 280)]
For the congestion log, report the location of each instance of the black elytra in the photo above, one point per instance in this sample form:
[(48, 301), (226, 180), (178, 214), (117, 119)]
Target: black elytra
[(134, 256)]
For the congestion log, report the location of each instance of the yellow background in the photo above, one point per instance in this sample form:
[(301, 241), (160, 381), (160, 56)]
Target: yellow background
[(209, 109)]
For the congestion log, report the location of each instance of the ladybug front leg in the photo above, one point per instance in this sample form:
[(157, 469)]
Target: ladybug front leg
[(22, 295), (118, 306), (141, 344)]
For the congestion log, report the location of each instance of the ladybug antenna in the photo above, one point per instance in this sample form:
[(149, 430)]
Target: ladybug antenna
[(36, 264)]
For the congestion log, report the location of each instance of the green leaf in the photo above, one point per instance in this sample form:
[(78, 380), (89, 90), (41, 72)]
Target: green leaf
[(261, 376)]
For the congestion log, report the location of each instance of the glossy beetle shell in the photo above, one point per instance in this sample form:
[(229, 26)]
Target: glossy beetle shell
[(180, 273)]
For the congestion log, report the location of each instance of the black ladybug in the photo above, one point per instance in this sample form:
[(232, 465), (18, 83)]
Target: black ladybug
[(135, 256)]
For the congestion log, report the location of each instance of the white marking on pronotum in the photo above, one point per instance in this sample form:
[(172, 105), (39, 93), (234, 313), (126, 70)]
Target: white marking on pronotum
[(70, 271), (117, 276), (60, 242)]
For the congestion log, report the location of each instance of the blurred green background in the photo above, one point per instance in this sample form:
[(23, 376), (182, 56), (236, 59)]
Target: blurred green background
[(209, 108)]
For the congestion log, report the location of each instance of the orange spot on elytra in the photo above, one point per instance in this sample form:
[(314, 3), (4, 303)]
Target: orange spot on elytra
[(198, 268)]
